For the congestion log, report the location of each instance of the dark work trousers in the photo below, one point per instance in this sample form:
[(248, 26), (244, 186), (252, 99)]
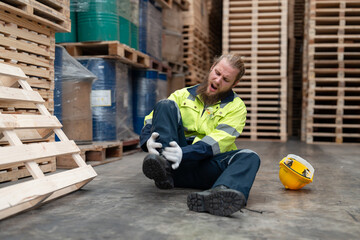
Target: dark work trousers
[(235, 169)]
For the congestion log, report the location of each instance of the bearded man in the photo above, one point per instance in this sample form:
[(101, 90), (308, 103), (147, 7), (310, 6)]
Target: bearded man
[(191, 137)]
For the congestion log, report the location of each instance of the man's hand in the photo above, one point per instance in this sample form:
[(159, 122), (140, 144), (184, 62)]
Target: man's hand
[(152, 145), (173, 154)]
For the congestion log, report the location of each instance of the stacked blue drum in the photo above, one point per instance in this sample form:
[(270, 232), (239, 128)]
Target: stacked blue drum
[(144, 96), (103, 98)]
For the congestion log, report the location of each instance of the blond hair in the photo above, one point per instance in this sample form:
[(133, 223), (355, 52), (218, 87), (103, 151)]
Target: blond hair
[(235, 60)]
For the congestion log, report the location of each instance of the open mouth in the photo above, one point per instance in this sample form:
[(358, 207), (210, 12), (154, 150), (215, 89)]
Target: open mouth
[(213, 88)]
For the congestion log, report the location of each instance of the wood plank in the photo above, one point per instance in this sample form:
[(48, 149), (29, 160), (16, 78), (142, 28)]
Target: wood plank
[(35, 60), (11, 71), (21, 121), (24, 46), (30, 152), (14, 94), (26, 192), (22, 33)]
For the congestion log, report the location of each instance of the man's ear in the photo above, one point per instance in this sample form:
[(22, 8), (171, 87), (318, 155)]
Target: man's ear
[(236, 82)]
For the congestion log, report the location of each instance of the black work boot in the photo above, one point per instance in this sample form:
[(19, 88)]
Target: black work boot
[(220, 201), (158, 168)]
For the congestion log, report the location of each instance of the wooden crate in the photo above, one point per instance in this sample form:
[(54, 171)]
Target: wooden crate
[(331, 72), (258, 30)]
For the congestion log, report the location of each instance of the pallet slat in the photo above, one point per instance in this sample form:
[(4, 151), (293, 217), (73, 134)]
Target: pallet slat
[(18, 121), (29, 152)]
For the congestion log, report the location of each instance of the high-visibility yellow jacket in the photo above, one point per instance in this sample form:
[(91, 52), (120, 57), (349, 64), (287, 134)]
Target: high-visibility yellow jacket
[(213, 128)]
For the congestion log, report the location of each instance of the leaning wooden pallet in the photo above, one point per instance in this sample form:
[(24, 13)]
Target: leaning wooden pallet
[(22, 196)]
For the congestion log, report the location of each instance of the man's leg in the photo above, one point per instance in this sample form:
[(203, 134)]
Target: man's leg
[(234, 176), (167, 122), (239, 170)]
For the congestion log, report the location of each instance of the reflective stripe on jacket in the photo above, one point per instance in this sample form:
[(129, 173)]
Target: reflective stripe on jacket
[(213, 128)]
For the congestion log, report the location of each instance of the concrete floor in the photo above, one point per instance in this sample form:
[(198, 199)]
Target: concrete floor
[(122, 204)]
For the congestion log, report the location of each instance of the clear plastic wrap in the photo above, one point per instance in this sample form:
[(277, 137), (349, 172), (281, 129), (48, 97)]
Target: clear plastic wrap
[(124, 9), (134, 24), (110, 100), (134, 15), (150, 29), (162, 87), (76, 82), (105, 6), (124, 119)]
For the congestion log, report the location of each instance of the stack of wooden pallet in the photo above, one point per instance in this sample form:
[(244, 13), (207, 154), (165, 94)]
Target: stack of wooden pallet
[(195, 41), (172, 44), (27, 40), (257, 29), (331, 74)]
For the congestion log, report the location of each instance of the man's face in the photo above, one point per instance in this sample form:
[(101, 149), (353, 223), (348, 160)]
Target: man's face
[(221, 78)]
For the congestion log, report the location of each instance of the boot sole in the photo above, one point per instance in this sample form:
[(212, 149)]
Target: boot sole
[(153, 169), (223, 203)]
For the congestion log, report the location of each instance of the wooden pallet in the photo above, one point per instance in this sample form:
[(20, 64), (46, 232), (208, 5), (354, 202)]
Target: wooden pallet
[(194, 76), (165, 3), (196, 54), (95, 154), (131, 146), (160, 66), (177, 67), (331, 66), (108, 49), (52, 13), (19, 171), (184, 4), (258, 31), (25, 195), (196, 15), (30, 46)]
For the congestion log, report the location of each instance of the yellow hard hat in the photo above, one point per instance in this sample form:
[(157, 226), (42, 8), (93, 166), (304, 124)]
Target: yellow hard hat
[(295, 172)]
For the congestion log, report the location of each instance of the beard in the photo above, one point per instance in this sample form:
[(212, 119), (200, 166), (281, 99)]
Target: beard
[(210, 99)]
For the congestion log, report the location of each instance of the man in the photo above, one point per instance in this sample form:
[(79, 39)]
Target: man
[(191, 136)]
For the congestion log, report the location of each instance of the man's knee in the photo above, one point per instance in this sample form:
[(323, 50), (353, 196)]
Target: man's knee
[(169, 107), (165, 103), (250, 156)]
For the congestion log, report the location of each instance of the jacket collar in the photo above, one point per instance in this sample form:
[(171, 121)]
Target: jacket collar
[(229, 98)]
